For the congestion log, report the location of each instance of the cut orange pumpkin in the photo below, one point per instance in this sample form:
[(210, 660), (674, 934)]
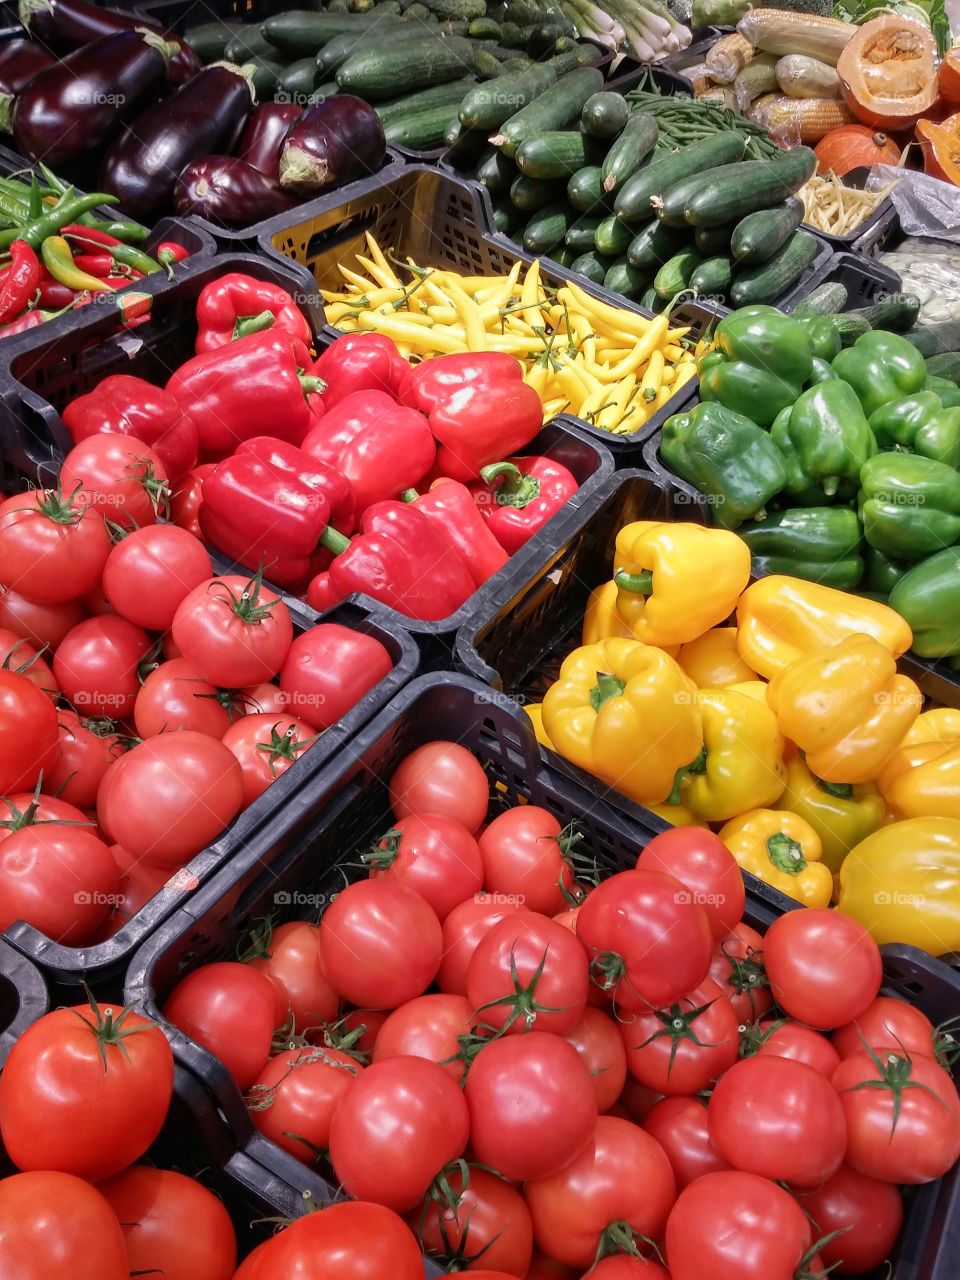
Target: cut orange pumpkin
[(888, 72), (940, 144), (950, 77)]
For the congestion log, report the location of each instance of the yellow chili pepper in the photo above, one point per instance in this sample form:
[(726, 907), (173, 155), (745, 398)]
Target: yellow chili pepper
[(652, 377), (842, 814), (741, 766), (712, 661), (783, 851)]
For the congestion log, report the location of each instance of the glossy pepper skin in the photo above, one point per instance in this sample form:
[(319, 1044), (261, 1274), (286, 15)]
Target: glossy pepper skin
[(731, 460), (517, 497), (922, 777), (449, 504), (903, 884), (821, 544), (781, 618), (826, 437), (761, 361), (882, 572), (20, 281), (824, 336), (928, 597), (881, 367), (910, 506), (124, 405), (783, 850), (626, 713), (712, 661), (236, 304), (675, 581), (841, 813), (360, 362), (845, 707), (919, 424), (601, 620)]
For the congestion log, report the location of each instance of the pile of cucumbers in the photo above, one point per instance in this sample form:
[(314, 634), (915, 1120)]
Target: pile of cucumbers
[(574, 176)]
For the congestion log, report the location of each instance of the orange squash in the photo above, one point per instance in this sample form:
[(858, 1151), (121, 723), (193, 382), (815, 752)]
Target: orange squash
[(950, 77), (940, 144), (854, 146), (888, 72)]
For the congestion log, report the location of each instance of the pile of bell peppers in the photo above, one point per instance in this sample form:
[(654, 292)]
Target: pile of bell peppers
[(834, 464), (773, 713), (352, 472)]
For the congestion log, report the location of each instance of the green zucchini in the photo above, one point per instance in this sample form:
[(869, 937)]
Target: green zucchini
[(612, 238), (300, 78), (633, 200), (564, 255), (486, 65), (711, 241), (628, 152), (712, 278), (208, 40), (585, 189), (936, 339), (547, 228), (484, 29), (451, 10), (530, 194), (438, 95), (591, 266), (495, 171), (772, 278), (558, 106), (825, 300), (465, 146), (336, 51), (325, 90), (264, 77), (553, 155), (897, 312), (758, 236), (674, 276), (580, 236), (422, 130), (512, 36), (752, 185), (376, 74), (654, 244), (490, 104), (247, 44), (650, 300), (946, 365), (622, 278), (298, 32), (506, 218), (671, 205), (604, 114)]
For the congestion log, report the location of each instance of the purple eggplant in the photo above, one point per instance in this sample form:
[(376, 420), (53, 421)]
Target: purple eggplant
[(263, 137), (229, 191), (207, 115), (20, 61), (334, 142), (77, 105)]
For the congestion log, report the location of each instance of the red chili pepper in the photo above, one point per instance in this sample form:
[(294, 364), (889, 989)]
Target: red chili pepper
[(96, 264), (53, 295), (77, 231), (28, 321), (124, 405), (237, 305), (360, 362), (20, 282), (518, 497), (449, 504), (168, 252)]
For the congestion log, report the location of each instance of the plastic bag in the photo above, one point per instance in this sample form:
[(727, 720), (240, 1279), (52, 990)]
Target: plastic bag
[(803, 77), (926, 206)]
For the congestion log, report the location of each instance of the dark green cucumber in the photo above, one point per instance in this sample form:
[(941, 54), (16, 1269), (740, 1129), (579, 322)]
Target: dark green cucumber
[(772, 278), (587, 54), (422, 130), (564, 63), (439, 95), (936, 339), (849, 326), (486, 66), (591, 266), (674, 276), (825, 300), (454, 10), (580, 236), (612, 238), (712, 241), (512, 36), (604, 114), (622, 278), (712, 278), (554, 155), (758, 236), (946, 365), (650, 248), (465, 146), (547, 228), (897, 312), (564, 255), (484, 29), (377, 74), (336, 51), (650, 300), (490, 104), (585, 190), (250, 43), (558, 106), (506, 218), (752, 185), (531, 194), (628, 152), (542, 39), (299, 78), (299, 32), (670, 207), (652, 179), (495, 171), (264, 77), (208, 40)]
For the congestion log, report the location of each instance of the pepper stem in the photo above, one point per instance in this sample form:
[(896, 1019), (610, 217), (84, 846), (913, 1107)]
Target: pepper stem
[(409, 495), (511, 487), (786, 854), (608, 686), (253, 324), (334, 541), (640, 583), (311, 384), (840, 790), (696, 766)]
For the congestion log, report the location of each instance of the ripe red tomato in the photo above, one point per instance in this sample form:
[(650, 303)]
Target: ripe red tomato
[(648, 943), (824, 968), (88, 746), (291, 957), (228, 1008), (118, 476), (488, 1221), (266, 746), (151, 570), (29, 733), (867, 1212), (185, 501), (23, 656), (82, 1234), (264, 699), (85, 1091), (97, 666), (637, 1100), (544, 1268), (295, 1095), (328, 669), (44, 624), (170, 796), (532, 1105), (621, 1176), (139, 882), (435, 856), (362, 1241), (887, 1025), (462, 931), (623, 1266), (175, 697), (700, 860), (528, 971), (600, 1046), (738, 967), (395, 1129), (779, 1119), (680, 1126), (428, 1027), (172, 1225), (684, 1047), (233, 631), (523, 856), (52, 548), (441, 777), (60, 879), (783, 1038), (365, 1021), (380, 943)]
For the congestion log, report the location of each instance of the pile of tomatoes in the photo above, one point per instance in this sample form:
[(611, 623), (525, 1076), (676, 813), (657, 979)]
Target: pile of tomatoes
[(545, 1073)]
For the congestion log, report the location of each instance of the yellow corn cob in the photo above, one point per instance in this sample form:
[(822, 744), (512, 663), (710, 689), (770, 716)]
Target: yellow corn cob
[(795, 120), (727, 58), (780, 31)]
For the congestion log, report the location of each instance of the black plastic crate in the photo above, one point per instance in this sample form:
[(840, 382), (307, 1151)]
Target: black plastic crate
[(866, 234), (23, 997), (881, 233), (865, 279)]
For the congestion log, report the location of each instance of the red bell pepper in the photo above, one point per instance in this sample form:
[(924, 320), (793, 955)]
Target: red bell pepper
[(401, 559), (478, 406), (360, 362), (236, 305), (380, 446), (518, 497), (185, 503), (252, 387), (128, 406), (450, 505)]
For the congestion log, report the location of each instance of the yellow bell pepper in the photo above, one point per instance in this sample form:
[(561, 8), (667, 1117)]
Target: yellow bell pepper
[(841, 813), (903, 884), (627, 713), (756, 689), (676, 581), (922, 777), (942, 724), (845, 707), (780, 618), (741, 766), (678, 815), (535, 711), (712, 661), (783, 851), (601, 619)]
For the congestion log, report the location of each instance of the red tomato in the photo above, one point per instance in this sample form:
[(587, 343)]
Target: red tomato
[(738, 967), (84, 1091), (380, 943), (23, 656), (486, 1221), (29, 733), (395, 1129), (779, 1119), (170, 796), (266, 746), (700, 860), (60, 879), (428, 1027), (736, 1226), (25, 809), (435, 856), (680, 1126), (139, 882), (824, 968), (648, 943), (785, 1039), (264, 699), (906, 1131), (867, 1212), (151, 570), (887, 1025), (233, 631), (44, 624), (544, 1268), (367, 1021), (175, 697), (441, 777), (637, 1100), (291, 957), (329, 669), (600, 1046), (295, 1095), (528, 971), (118, 476), (172, 1225), (523, 853), (185, 500), (88, 746), (362, 1241), (52, 1221), (97, 666), (462, 930), (227, 1008), (532, 1105), (52, 548), (685, 1047), (622, 1266)]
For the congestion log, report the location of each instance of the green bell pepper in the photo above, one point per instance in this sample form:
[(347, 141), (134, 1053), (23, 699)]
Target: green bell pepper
[(910, 506), (731, 460), (921, 425), (824, 336), (948, 391), (821, 544), (761, 361), (881, 367), (825, 439), (882, 572), (929, 598), (822, 371)]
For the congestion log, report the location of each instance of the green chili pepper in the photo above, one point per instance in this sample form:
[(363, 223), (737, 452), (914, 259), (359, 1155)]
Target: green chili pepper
[(67, 209), (120, 229), (129, 256)]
